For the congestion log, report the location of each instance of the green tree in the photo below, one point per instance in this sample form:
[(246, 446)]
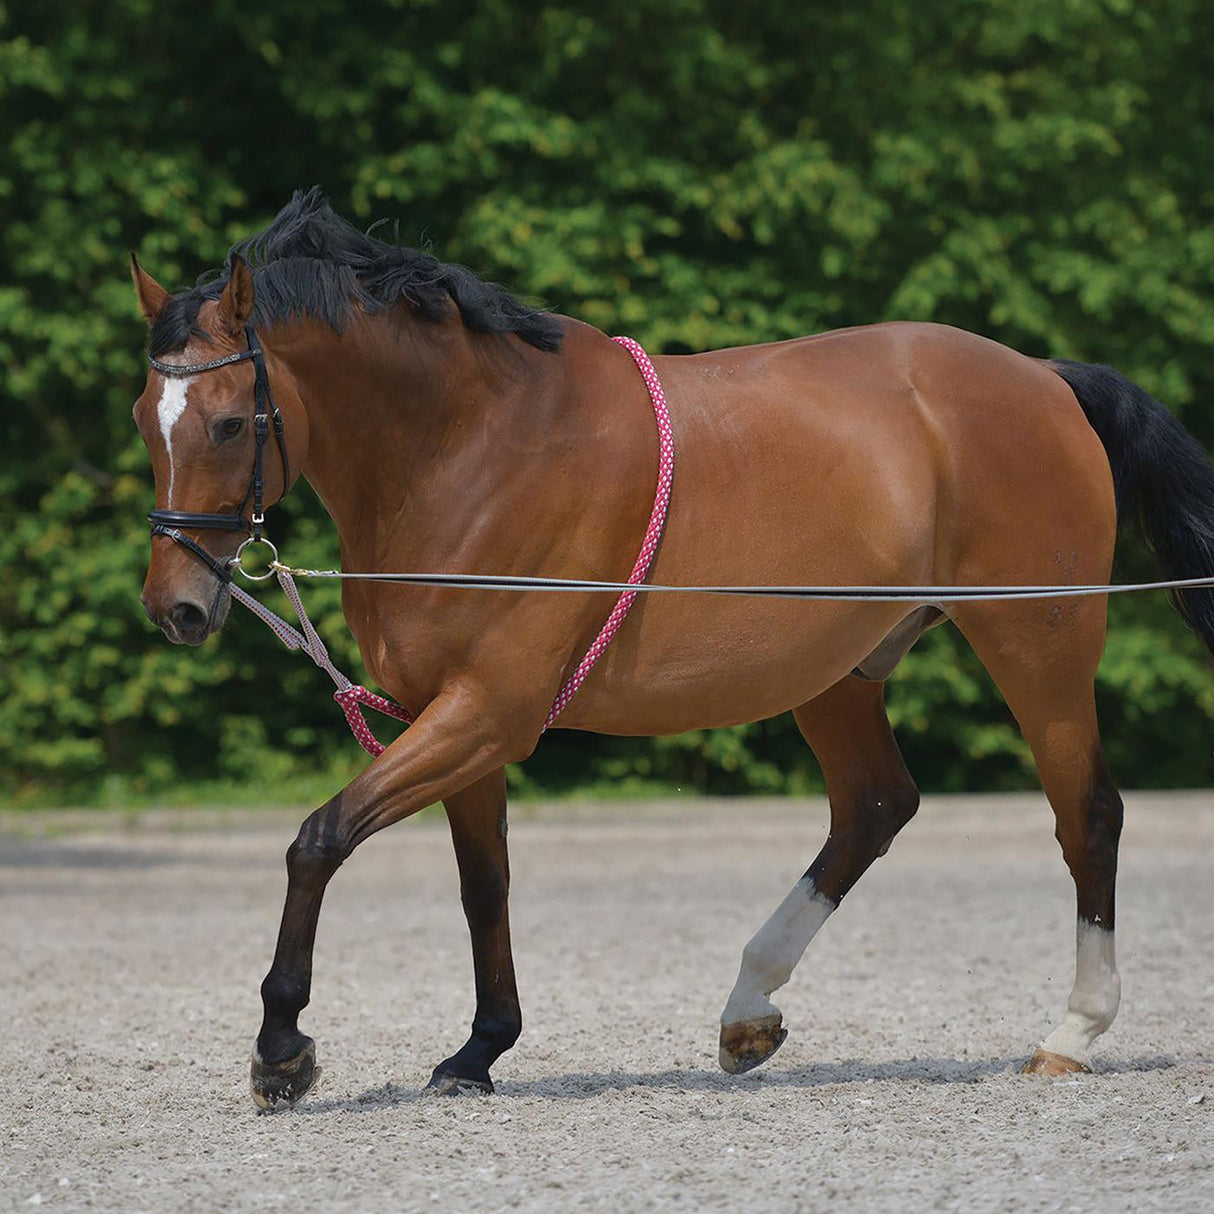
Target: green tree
[(692, 172)]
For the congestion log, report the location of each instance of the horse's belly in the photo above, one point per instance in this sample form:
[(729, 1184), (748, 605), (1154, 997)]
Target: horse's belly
[(724, 662)]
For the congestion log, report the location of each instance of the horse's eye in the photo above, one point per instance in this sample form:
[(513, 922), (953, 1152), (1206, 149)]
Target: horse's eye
[(230, 427)]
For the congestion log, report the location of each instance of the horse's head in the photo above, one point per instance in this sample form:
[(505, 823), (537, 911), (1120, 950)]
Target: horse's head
[(200, 433)]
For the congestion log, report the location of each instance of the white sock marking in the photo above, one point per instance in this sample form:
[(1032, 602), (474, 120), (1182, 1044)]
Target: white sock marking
[(1094, 997), (772, 954), (173, 400)]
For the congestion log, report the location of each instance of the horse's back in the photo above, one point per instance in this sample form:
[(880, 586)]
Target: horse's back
[(906, 427)]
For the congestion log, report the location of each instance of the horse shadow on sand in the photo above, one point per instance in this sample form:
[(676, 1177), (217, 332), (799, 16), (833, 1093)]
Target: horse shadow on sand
[(581, 1085)]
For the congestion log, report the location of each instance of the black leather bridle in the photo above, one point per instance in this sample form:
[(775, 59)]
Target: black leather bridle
[(265, 413)]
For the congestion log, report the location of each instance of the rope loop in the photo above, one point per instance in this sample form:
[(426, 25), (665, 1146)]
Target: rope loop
[(350, 698)]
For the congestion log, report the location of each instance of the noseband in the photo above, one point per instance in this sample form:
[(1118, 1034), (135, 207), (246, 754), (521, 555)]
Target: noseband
[(170, 522)]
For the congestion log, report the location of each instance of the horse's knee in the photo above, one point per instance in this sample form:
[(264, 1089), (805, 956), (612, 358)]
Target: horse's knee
[(309, 858), (320, 846)]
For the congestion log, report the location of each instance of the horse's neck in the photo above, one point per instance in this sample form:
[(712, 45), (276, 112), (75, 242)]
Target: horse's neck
[(398, 409)]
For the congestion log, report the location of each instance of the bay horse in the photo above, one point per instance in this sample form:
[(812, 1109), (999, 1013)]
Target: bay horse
[(448, 427)]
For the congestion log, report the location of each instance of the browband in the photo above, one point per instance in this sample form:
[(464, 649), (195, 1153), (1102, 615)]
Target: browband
[(182, 369)]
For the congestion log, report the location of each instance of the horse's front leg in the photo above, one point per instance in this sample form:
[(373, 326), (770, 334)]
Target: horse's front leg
[(478, 830), (455, 742)]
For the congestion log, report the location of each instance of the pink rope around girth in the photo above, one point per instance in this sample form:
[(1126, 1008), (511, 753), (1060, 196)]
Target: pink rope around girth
[(649, 546), (351, 696)]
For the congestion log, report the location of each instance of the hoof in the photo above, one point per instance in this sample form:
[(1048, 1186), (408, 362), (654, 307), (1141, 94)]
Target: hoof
[(442, 1083), (749, 1042), (1044, 1062), (283, 1084)]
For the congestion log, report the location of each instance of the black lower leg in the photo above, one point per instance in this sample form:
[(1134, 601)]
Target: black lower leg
[(861, 830), (478, 830), (311, 860), (872, 795), (492, 1035)]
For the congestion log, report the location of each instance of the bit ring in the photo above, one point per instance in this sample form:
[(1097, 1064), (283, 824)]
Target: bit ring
[(238, 560)]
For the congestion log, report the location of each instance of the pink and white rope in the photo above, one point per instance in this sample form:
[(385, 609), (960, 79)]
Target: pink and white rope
[(352, 695), (351, 698), (657, 521)]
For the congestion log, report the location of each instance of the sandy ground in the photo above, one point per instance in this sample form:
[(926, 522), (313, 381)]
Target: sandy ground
[(130, 960)]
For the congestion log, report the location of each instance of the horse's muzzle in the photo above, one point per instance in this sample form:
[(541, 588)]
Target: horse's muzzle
[(188, 622)]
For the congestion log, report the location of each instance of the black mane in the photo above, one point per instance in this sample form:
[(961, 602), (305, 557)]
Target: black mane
[(311, 262)]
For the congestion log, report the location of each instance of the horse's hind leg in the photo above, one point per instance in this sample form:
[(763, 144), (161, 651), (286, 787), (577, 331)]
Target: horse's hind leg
[(1044, 660), (872, 796), (478, 829)]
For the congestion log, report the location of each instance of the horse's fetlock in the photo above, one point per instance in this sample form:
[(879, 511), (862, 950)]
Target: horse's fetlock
[(501, 1029), (284, 992), (1108, 1002)]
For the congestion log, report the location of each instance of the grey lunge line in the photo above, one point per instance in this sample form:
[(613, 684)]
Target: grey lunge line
[(872, 594)]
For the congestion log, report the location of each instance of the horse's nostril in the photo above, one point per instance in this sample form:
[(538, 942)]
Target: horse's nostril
[(188, 619)]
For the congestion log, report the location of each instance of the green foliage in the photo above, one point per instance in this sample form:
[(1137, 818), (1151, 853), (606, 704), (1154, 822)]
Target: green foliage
[(692, 172)]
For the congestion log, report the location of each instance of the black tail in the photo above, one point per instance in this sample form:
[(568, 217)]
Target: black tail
[(1163, 479)]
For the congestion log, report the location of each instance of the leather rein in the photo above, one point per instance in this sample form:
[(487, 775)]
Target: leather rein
[(265, 414)]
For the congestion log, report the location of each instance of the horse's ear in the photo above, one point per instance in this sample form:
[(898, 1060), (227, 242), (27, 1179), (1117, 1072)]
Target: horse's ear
[(151, 295), (236, 302)]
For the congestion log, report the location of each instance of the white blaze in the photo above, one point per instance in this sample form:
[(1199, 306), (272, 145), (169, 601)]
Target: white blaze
[(770, 957), (173, 399), (1094, 997)]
